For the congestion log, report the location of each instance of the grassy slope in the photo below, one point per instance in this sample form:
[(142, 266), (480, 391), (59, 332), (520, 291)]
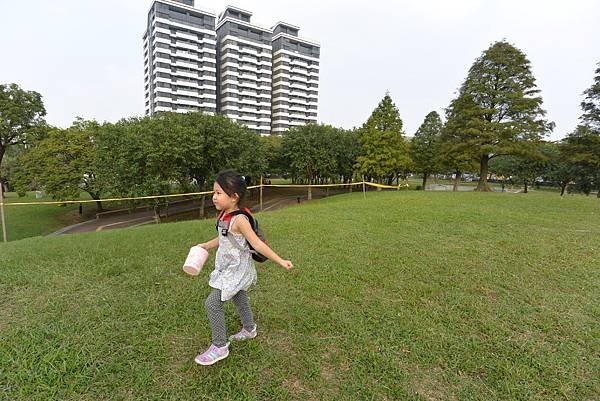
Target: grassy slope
[(31, 221), (408, 295)]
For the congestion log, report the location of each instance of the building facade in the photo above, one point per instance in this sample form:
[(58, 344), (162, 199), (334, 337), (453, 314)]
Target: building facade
[(295, 79), (264, 78), (180, 71), (244, 70)]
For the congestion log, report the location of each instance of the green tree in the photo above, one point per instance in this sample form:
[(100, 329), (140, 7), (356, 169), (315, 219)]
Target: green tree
[(591, 103), (64, 163), (454, 157), (558, 169), (309, 152), (525, 170), (273, 146), (581, 148), (424, 149), (21, 117), (385, 153), (10, 166), (346, 148), (150, 155), (498, 109)]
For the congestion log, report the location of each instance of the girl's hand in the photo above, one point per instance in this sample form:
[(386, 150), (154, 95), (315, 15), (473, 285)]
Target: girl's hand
[(287, 264)]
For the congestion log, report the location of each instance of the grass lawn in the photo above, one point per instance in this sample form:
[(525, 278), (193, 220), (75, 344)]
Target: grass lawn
[(408, 295), (35, 220)]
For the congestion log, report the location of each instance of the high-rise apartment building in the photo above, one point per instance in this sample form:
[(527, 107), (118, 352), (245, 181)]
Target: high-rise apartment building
[(295, 79), (264, 78), (180, 68), (244, 70)]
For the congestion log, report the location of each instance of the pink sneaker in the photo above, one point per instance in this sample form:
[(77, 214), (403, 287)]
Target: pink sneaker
[(243, 335), (212, 355)]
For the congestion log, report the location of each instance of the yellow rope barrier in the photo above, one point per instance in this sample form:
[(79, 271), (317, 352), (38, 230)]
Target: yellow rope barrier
[(105, 200), (196, 193)]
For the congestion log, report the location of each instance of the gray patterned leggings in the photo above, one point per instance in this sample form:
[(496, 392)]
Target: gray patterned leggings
[(216, 314)]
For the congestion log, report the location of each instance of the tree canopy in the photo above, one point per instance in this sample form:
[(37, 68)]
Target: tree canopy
[(498, 110)]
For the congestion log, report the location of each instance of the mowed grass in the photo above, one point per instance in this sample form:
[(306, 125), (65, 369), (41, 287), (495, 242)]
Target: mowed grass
[(35, 220), (404, 296)]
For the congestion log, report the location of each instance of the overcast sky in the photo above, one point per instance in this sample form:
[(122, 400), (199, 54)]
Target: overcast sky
[(85, 56)]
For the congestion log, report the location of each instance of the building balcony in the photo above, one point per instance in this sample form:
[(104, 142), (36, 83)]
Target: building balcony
[(187, 74), (185, 26), (185, 35)]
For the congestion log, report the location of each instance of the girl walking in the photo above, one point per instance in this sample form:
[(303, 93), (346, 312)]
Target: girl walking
[(234, 268)]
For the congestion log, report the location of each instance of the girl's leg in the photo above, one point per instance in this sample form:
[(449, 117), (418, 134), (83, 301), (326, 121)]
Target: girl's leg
[(216, 317), (242, 303)]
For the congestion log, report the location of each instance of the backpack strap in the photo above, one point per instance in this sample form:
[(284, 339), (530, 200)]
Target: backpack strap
[(234, 242), (246, 212), (226, 218), (229, 217)]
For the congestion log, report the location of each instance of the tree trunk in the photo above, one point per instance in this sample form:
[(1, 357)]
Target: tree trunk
[(425, 180), (563, 186), (201, 186), (2, 150), (525, 186), (96, 197), (482, 185)]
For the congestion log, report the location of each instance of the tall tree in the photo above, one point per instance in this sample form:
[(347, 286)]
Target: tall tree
[(425, 146), (558, 170), (273, 145), (454, 157), (21, 117), (9, 166), (346, 148), (385, 153), (498, 109), (591, 103), (64, 163), (309, 152), (146, 156), (581, 148)]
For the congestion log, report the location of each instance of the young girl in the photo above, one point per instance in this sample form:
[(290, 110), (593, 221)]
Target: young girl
[(234, 269)]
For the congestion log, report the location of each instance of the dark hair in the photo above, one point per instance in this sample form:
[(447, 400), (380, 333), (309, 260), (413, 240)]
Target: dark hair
[(232, 182)]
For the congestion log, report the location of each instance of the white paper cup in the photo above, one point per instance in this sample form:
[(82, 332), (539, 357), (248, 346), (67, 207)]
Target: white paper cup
[(195, 260)]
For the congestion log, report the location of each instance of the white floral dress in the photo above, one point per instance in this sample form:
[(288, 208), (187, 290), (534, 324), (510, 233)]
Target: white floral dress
[(234, 266)]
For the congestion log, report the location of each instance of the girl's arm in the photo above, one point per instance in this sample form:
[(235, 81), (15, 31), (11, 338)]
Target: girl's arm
[(243, 226), (213, 243)]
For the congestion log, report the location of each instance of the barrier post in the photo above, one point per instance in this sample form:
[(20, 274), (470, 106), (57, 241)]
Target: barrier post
[(364, 189), (2, 210), (261, 193)]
